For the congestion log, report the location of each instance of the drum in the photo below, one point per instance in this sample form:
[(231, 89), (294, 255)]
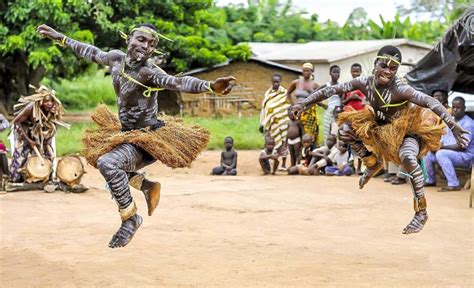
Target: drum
[(37, 169), (70, 170)]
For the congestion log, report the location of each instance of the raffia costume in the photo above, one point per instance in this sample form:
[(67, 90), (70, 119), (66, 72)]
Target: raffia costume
[(41, 130), (175, 144), (385, 140)]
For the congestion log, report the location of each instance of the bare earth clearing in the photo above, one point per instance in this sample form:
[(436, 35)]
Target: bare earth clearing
[(239, 231)]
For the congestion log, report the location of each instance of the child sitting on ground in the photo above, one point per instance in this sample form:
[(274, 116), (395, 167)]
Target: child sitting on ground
[(322, 156), (341, 163), (308, 147), (267, 154), (228, 159)]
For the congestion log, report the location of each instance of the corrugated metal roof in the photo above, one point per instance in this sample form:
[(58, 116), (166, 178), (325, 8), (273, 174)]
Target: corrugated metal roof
[(324, 51)]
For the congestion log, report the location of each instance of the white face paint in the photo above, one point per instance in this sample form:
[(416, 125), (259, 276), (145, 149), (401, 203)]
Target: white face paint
[(141, 46)]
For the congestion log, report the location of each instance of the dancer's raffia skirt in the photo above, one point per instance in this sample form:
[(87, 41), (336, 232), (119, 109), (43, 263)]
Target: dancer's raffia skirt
[(175, 145), (385, 140)]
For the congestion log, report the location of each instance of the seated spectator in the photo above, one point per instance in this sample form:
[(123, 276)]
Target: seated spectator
[(308, 147), (228, 159), (451, 155), (341, 163), (267, 154), (441, 95), (321, 157)]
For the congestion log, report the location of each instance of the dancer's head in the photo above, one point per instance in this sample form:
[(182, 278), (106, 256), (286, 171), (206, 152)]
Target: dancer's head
[(47, 100), (356, 70), (48, 103), (335, 73), (276, 81), (387, 62), (141, 42)]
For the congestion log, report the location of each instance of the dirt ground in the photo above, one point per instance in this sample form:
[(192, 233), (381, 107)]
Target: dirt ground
[(244, 231)]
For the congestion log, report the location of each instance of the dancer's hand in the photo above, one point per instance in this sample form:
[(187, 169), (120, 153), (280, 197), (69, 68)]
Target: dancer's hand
[(294, 111), (460, 135), (223, 85), (49, 32)]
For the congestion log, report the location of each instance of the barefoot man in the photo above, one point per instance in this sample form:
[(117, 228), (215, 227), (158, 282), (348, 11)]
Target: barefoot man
[(138, 137), (392, 127)]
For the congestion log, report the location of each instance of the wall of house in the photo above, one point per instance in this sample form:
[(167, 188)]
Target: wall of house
[(253, 80)]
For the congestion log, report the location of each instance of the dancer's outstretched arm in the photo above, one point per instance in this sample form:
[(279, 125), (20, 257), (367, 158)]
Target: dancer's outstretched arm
[(421, 99), (159, 78), (86, 51)]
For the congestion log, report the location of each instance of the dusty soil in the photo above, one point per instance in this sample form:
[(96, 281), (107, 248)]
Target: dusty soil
[(249, 230)]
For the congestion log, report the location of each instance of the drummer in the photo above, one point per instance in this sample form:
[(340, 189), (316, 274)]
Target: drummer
[(34, 128)]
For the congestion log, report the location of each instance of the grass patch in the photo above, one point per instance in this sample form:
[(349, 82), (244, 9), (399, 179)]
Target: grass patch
[(243, 130)]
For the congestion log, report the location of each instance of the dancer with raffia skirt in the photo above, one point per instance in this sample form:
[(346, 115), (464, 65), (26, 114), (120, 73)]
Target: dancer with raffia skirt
[(119, 147), (392, 127)]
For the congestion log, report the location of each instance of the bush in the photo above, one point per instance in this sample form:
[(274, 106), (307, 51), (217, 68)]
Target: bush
[(85, 92)]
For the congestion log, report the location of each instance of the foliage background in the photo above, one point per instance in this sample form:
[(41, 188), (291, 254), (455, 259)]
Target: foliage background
[(204, 35)]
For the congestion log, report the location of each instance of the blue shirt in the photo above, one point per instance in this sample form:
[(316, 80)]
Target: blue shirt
[(467, 124)]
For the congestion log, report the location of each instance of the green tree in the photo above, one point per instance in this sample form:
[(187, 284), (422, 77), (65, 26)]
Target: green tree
[(196, 26), (446, 11)]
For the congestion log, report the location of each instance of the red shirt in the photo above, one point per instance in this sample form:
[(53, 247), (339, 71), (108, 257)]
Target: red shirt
[(356, 104)]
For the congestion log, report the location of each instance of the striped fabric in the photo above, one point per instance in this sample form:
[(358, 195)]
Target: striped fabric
[(274, 114)]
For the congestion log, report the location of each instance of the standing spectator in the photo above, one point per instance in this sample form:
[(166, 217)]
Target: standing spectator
[(303, 87), (354, 100), (274, 116), (333, 102), (452, 155), (294, 140)]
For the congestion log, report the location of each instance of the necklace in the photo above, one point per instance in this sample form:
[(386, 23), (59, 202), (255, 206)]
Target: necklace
[(386, 105), (148, 91)]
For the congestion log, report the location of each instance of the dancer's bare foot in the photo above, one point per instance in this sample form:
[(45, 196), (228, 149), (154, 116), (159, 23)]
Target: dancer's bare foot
[(417, 223), (151, 190), (126, 231), (369, 173)]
